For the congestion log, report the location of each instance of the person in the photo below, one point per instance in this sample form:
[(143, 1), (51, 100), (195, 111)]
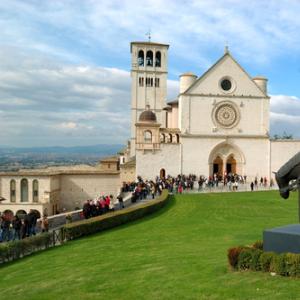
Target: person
[(32, 222), (5, 228), (86, 209), (120, 199), (45, 224), (180, 188), (252, 186), (17, 225), (153, 190)]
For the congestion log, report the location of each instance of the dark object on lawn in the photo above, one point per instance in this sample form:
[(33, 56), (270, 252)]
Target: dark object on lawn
[(288, 176)]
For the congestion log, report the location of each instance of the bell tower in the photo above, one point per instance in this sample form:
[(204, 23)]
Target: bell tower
[(149, 71)]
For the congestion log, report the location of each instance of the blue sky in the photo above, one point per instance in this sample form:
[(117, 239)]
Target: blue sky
[(64, 65)]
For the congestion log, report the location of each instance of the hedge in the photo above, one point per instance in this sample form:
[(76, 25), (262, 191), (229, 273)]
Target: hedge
[(16, 249), (253, 258), (110, 220)]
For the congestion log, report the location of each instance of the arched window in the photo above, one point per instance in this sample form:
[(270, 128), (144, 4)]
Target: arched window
[(149, 58), (141, 58), (24, 190), (157, 59), (162, 138), (35, 191), (12, 190), (21, 213), (177, 138), (148, 136), (170, 138)]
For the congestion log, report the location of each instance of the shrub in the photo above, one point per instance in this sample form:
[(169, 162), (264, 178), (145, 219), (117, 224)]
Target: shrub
[(15, 249), (278, 264), (265, 260), (245, 259), (233, 256), (255, 262), (110, 220), (292, 264), (258, 245)]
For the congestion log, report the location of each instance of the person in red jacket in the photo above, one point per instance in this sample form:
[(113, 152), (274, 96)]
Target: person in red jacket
[(107, 203)]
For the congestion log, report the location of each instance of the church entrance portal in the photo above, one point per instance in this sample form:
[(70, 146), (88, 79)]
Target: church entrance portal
[(218, 166), (226, 158), (231, 165)]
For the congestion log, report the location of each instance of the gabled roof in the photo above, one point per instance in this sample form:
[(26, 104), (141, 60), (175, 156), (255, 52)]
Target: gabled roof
[(215, 65)]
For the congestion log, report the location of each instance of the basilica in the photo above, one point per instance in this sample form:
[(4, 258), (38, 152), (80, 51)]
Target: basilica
[(218, 124)]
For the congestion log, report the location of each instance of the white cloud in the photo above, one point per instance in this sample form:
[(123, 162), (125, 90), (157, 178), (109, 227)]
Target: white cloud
[(68, 125), (53, 83), (285, 115)]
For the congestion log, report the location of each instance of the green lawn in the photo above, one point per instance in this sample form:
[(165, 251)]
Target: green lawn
[(177, 253)]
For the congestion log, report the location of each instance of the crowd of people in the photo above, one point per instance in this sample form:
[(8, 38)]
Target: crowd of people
[(20, 226), (181, 183), (97, 207)]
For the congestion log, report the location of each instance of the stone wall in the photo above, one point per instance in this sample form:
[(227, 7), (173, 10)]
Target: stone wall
[(282, 151), (149, 164), (76, 188)]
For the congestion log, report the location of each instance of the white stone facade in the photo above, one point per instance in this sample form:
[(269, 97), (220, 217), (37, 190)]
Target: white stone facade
[(222, 120)]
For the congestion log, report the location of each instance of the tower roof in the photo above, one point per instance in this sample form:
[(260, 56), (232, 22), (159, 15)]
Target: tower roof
[(147, 44), (147, 116)]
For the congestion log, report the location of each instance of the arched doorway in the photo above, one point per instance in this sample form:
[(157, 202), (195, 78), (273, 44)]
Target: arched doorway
[(21, 213), (226, 158), (231, 165), (36, 212), (218, 166), (162, 174)]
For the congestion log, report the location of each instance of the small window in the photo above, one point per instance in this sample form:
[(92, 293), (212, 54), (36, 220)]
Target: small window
[(149, 81), (141, 81), (12, 190), (157, 59), (147, 136), (24, 190), (149, 58), (157, 82), (35, 191), (141, 58)]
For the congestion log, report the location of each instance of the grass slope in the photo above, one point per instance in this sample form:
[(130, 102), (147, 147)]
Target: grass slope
[(177, 253)]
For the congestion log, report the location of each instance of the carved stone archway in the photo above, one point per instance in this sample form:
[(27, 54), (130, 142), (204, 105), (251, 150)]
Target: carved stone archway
[(231, 156)]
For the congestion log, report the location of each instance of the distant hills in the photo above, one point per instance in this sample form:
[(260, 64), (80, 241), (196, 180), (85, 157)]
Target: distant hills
[(14, 158), (100, 149)]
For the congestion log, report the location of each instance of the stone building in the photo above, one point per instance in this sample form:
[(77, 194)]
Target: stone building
[(58, 189), (219, 123)]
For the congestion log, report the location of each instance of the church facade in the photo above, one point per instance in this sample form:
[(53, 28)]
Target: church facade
[(218, 124)]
